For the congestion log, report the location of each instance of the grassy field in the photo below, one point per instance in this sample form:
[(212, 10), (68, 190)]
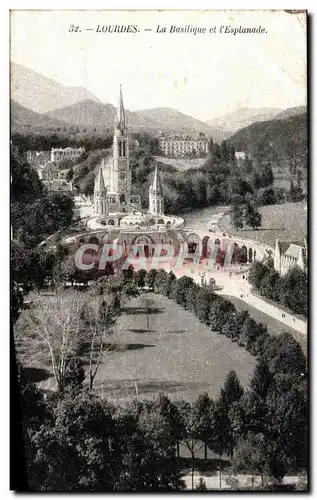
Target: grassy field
[(178, 356), (287, 222)]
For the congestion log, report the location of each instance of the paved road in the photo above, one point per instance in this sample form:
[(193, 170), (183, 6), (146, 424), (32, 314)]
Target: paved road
[(236, 286)]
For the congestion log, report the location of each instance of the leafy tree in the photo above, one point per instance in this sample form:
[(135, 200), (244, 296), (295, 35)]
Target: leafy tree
[(236, 216), (180, 290), (203, 415), (232, 391), (294, 288), (75, 373), (203, 303), (150, 278), (250, 456), (252, 216), (231, 328), (140, 278), (248, 333), (80, 439), (270, 285), (220, 311), (261, 380), (257, 273), (284, 354), (70, 174)]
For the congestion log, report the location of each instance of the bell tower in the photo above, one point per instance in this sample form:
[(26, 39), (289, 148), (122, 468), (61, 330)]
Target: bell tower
[(156, 199), (121, 178)]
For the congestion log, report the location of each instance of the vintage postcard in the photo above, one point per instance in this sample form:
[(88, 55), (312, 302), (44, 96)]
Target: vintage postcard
[(159, 258)]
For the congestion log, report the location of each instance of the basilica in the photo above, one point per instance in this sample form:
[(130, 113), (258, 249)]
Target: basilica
[(115, 203)]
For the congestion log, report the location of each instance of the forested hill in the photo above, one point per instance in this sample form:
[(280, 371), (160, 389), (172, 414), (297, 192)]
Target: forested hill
[(278, 141)]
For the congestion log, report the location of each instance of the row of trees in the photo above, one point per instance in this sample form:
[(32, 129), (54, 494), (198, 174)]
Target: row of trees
[(290, 290), (61, 139), (262, 431), (281, 352)]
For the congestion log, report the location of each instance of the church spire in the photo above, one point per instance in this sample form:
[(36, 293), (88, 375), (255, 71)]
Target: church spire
[(156, 184), (120, 114), (100, 187)]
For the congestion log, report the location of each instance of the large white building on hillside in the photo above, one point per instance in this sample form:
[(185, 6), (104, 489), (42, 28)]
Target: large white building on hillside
[(182, 145)]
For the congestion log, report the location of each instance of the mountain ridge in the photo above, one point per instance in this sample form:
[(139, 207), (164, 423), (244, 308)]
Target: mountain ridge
[(41, 94)]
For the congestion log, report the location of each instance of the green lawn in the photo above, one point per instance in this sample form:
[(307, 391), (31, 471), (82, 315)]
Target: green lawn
[(179, 356), (287, 222)]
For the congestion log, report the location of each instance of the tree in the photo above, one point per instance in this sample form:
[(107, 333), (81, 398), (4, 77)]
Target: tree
[(231, 328), (284, 354), (147, 304), (248, 333), (220, 310), (293, 290), (250, 456), (257, 273), (75, 373), (161, 284), (203, 303), (230, 394), (232, 390), (180, 290), (140, 277), (270, 285), (70, 174), (150, 278), (52, 328), (252, 216), (146, 441), (189, 426), (99, 315), (261, 380), (203, 415), (79, 439), (236, 215)]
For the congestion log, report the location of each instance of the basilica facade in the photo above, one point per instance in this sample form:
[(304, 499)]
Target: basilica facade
[(113, 184)]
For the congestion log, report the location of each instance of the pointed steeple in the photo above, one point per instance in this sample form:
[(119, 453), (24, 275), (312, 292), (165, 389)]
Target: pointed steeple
[(100, 187), (156, 184), (120, 114)]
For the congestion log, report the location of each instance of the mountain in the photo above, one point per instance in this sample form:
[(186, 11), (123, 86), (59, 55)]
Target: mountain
[(88, 113), (41, 94), (287, 113), (232, 122), (282, 141), (171, 120), (26, 120)]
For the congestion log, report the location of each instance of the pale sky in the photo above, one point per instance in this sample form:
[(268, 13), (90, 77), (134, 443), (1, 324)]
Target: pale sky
[(205, 75)]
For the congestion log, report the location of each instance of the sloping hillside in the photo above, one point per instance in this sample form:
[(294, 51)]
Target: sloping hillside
[(41, 94), (287, 113), (101, 116), (280, 141), (232, 122), (24, 120)]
